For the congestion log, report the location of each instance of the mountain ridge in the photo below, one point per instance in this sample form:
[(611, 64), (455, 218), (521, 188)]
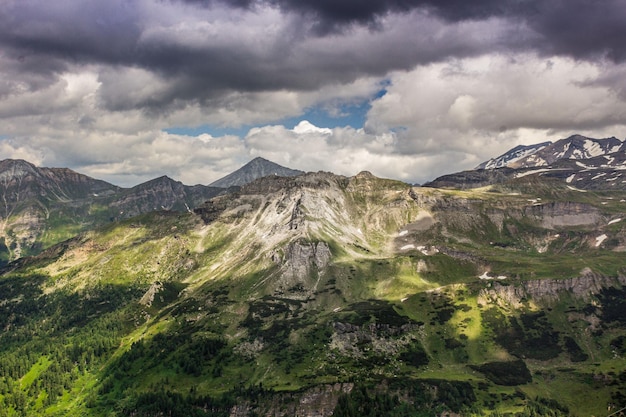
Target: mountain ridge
[(577, 162), (43, 206), (546, 153)]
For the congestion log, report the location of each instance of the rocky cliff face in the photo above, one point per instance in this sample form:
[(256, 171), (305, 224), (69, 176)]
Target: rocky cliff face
[(563, 214), (302, 267), (318, 401), (549, 290)]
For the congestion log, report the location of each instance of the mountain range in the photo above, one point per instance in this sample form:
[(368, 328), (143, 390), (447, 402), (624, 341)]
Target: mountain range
[(496, 291), (43, 206)]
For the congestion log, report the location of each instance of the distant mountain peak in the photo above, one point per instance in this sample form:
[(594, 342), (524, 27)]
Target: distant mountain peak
[(257, 168), (577, 147), (576, 161)]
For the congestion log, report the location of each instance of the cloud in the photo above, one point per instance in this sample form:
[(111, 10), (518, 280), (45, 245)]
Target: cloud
[(577, 28), (96, 85), (164, 56), (582, 29), (500, 92), (483, 106)]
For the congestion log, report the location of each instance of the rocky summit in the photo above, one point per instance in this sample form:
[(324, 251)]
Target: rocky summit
[(320, 294), (257, 168)]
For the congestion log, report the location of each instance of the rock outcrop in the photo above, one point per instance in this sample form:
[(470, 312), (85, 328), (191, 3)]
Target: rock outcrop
[(302, 266), (563, 214), (548, 290), (319, 401)]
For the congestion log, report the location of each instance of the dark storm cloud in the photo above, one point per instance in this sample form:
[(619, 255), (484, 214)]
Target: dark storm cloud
[(583, 29), (69, 31), (96, 31), (333, 13), (578, 28), (47, 38)]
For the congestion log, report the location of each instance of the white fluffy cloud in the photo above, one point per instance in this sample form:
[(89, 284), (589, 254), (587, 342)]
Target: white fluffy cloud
[(480, 107)]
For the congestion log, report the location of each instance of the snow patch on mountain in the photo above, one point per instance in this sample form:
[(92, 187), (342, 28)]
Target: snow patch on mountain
[(515, 154), (534, 171), (486, 276)]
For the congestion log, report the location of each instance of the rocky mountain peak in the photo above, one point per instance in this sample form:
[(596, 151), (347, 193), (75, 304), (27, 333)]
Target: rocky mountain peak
[(16, 168), (576, 147), (162, 181), (256, 168)]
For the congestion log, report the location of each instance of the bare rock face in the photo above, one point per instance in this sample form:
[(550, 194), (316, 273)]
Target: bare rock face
[(303, 265), (319, 401), (547, 290), (148, 298), (564, 214), (20, 232)]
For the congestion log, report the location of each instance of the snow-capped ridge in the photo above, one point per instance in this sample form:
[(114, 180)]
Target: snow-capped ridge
[(513, 155), (576, 147)]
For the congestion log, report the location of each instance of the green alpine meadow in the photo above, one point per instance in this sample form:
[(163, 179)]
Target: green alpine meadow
[(322, 295)]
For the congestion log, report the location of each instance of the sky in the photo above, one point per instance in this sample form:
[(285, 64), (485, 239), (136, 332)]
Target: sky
[(129, 90)]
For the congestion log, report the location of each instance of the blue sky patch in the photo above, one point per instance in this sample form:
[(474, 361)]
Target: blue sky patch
[(352, 114)]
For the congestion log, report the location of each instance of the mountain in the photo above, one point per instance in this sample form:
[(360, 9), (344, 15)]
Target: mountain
[(579, 162), (320, 295), (161, 193), (574, 147), (34, 199), (43, 206), (546, 153), (257, 168), (22, 181)]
